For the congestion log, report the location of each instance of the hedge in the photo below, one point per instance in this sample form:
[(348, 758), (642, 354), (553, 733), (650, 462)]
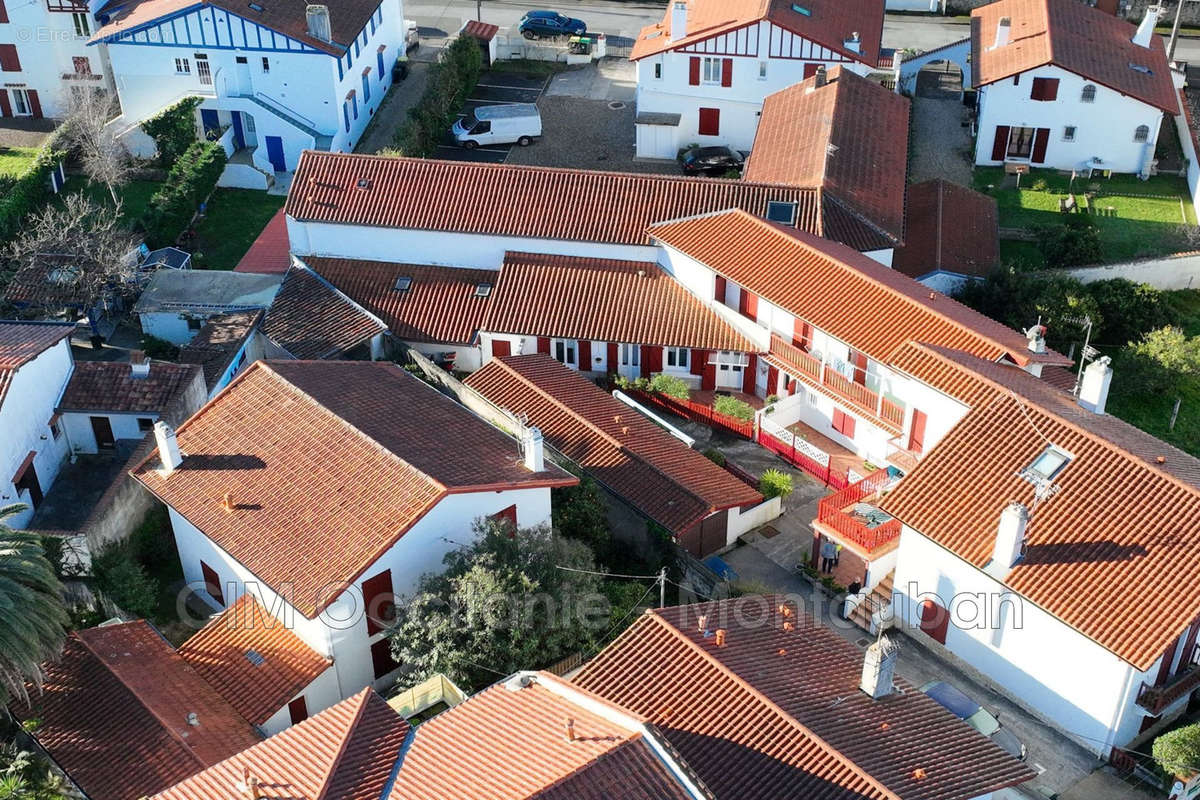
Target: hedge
[(450, 83), (173, 129), (191, 179), (30, 190)]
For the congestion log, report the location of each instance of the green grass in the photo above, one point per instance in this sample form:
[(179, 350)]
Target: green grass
[(135, 196), (232, 222), (1145, 219), (1152, 412), (15, 160)]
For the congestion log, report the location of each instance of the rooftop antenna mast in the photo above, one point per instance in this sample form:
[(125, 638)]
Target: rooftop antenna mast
[(1088, 353)]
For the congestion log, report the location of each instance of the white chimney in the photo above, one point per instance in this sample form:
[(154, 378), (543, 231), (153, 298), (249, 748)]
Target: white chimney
[(168, 447), (879, 668), (1010, 540), (139, 364), (678, 20), (1037, 338), (854, 43), (318, 22), (1003, 29), (1093, 391), (1145, 31), (533, 450)]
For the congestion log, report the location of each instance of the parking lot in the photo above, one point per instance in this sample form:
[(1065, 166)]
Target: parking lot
[(494, 88)]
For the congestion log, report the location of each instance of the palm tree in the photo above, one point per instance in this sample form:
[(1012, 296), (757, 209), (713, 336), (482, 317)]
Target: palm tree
[(33, 620)]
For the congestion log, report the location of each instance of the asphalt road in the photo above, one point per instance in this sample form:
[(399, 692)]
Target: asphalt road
[(627, 18)]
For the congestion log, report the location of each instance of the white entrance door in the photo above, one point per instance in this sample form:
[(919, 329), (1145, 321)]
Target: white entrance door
[(244, 82), (565, 352), (631, 361), (729, 370)]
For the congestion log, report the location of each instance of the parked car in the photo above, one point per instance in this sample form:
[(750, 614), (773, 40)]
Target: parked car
[(953, 700), (412, 39), (538, 24), (714, 161), (504, 124)]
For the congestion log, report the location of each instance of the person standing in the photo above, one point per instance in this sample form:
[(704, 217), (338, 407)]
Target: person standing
[(828, 555)]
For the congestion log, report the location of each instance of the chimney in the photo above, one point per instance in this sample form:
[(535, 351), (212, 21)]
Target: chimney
[(227, 502), (702, 623), (1003, 28), (139, 364), (168, 447), (1037, 338), (570, 730), (854, 43), (533, 449), (318, 22), (248, 786), (1145, 31), (1093, 391), (193, 719), (879, 668), (720, 637), (821, 77), (678, 20), (1010, 540)]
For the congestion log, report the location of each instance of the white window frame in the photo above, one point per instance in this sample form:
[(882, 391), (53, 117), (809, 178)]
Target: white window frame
[(21, 104), (203, 70), (565, 351), (1069, 133), (631, 355), (710, 70), (183, 66), (82, 28), (678, 358), (762, 70)]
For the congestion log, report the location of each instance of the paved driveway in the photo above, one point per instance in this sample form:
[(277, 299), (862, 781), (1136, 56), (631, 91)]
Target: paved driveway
[(494, 88), (941, 143)]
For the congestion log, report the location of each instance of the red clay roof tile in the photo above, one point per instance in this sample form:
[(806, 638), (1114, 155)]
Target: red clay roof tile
[(111, 386), (948, 227), (22, 342), (270, 251), (310, 318), (216, 344)]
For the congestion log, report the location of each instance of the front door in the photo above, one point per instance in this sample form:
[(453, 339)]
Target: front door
[(102, 430), (631, 361), (1020, 143), (565, 353), (245, 82), (239, 135), (211, 123), (29, 480), (275, 153)]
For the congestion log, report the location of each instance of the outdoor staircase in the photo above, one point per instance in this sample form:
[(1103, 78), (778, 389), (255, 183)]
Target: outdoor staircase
[(879, 599)]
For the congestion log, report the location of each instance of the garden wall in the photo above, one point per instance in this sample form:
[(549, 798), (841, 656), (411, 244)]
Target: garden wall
[(1178, 271)]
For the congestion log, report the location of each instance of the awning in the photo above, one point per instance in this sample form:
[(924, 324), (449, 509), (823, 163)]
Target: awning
[(26, 464)]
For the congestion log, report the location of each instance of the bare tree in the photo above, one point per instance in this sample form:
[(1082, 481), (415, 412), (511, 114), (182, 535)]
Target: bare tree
[(105, 160)]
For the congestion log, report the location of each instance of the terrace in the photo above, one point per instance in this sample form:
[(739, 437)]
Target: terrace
[(851, 516)]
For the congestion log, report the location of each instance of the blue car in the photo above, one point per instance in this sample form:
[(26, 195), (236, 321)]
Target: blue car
[(537, 24)]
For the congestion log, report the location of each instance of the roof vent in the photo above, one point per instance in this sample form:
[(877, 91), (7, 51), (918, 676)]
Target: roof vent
[(227, 502), (570, 730), (319, 27), (139, 364), (193, 719), (247, 787), (1160, 459), (363, 183)]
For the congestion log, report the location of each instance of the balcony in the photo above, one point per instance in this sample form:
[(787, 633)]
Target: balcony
[(900, 456), (1157, 699), (851, 517)]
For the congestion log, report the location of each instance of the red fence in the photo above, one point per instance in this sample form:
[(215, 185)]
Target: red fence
[(822, 472), (695, 412), (831, 514)]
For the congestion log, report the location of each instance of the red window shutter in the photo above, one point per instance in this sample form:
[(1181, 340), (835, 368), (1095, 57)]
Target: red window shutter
[(727, 72), (694, 71), (9, 60), (719, 286), (212, 583), (934, 620), (613, 362), (1044, 89), (802, 334), (5, 107), (585, 354), (916, 437), (298, 710), (544, 344), (708, 381), (501, 347), (860, 367), (1164, 668), (652, 360), (1000, 143), (1040, 140), (3, 12), (848, 423), (1051, 89), (506, 515), (710, 122), (381, 658), (772, 380), (748, 304), (810, 70), (699, 361), (750, 375), (379, 600), (35, 105)]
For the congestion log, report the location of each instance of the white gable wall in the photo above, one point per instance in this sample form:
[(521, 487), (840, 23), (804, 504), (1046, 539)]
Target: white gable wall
[(48, 43), (78, 426)]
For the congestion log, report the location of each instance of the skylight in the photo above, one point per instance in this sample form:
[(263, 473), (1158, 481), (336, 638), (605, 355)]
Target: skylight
[(1141, 68), (782, 212), (403, 283), (255, 658), (1048, 464), (483, 290), (799, 9), (255, 7)]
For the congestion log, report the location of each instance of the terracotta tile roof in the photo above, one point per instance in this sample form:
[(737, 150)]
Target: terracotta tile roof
[(22, 342), (480, 30), (347, 752), (605, 300), (270, 251), (828, 23), (948, 227), (540, 202), (220, 339), (51, 282), (439, 306), (110, 386), (310, 318), (1060, 378), (1121, 524), (465, 754), (847, 137), (347, 18), (778, 713), (114, 712), (1069, 34), (855, 298), (329, 463), (656, 473), (284, 666)]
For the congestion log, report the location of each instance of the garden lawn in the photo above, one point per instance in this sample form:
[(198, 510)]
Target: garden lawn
[(135, 196), (232, 222), (15, 160), (1145, 217)]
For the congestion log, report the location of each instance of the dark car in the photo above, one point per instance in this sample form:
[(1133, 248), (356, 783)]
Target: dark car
[(714, 161), (537, 24), (975, 715)]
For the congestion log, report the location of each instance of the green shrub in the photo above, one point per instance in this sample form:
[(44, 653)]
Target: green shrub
[(716, 456), (774, 483), (732, 407), (1161, 359), (124, 581), (191, 179), (1129, 310), (173, 130), (1178, 751), (160, 349), (29, 191), (1075, 242), (152, 541), (670, 385), (450, 83)]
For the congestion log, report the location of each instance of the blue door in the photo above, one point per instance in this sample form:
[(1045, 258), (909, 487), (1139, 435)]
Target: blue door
[(239, 136), (211, 123), (275, 153)]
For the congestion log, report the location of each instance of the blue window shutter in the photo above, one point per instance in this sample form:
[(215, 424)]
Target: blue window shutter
[(366, 87), (346, 116), (379, 63), (340, 73), (354, 103)]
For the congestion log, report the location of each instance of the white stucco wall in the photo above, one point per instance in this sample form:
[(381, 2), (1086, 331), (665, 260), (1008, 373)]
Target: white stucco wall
[(318, 696), (78, 427), (47, 43)]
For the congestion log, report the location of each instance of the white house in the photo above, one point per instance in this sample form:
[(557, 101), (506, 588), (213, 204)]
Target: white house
[(1066, 86), (704, 71), (325, 489), (44, 57), (177, 304), (275, 78), (1052, 548)]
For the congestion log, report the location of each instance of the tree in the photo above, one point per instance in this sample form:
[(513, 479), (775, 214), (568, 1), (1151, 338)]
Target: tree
[(33, 621), (502, 605), (85, 131), (1178, 751), (1019, 300), (580, 513), (1161, 359), (1075, 242), (1129, 310)]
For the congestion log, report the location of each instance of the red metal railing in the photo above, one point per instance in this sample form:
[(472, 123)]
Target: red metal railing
[(859, 396), (695, 412), (1156, 698), (822, 472), (831, 513), (856, 393), (891, 412)]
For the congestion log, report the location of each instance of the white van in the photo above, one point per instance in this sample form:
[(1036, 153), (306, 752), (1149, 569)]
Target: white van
[(505, 124)]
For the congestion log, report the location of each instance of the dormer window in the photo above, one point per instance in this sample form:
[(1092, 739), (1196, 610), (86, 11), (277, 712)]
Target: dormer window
[(403, 283), (483, 290), (781, 212), (1049, 463), (255, 7), (799, 9)]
